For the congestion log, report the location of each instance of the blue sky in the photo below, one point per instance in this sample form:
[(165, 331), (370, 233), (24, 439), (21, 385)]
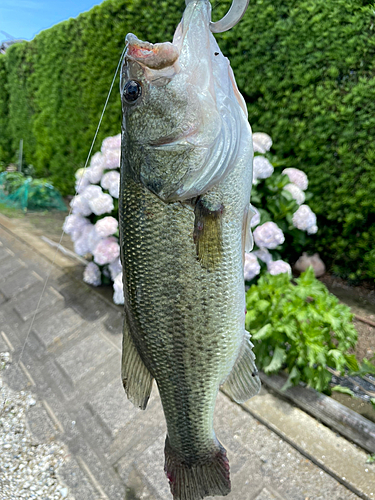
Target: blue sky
[(25, 18)]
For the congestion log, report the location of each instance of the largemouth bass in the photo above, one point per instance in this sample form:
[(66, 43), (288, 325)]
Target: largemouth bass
[(186, 174)]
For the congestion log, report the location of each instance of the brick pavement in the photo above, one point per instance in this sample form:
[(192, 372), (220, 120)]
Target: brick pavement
[(71, 362)]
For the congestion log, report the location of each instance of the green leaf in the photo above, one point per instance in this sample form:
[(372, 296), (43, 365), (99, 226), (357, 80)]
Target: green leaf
[(352, 362), (264, 333), (278, 358), (344, 390)]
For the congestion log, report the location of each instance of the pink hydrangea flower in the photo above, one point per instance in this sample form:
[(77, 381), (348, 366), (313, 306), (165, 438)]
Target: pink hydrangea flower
[(296, 192), (278, 267), (298, 177), (93, 239), (106, 251), (118, 296), (106, 226), (268, 235), (304, 218), (262, 168), (92, 275), (261, 142), (74, 222), (251, 267)]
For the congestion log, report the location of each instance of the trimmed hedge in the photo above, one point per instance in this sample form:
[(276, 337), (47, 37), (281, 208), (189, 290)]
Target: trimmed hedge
[(305, 67)]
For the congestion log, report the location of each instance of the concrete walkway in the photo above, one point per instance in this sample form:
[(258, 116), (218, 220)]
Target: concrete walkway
[(71, 362)]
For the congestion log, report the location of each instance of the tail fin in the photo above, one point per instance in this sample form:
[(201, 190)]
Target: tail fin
[(197, 480)]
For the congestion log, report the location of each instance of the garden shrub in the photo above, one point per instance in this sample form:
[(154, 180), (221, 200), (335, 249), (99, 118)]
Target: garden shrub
[(301, 328), (305, 68)]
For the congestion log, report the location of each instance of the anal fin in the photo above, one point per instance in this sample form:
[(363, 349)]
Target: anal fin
[(243, 381), (136, 378)]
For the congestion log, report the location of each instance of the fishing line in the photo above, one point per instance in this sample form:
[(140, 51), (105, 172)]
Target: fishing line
[(70, 211)]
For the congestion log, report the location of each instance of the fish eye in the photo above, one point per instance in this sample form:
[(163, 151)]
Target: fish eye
[(132, 91)]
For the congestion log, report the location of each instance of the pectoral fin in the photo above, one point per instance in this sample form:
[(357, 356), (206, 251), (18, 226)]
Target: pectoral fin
[(247, 237), (208, 230), (136, 378), (243, 381)]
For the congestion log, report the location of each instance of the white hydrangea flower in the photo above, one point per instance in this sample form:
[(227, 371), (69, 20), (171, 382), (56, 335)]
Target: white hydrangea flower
[(93, 239), (92, 275), (92, 192), (102, 204), (268, 235), (95, 173), (97, 160), (81, 245), (296, 192), (82, 180), (80, 205), (255, 219), (114, 189), (261, 142), (115, 268), (118, 296), (298, 177), (106, 251), (312, 230), (73, 223), (111, 182), (279, 267), (262, 168), (263, 255), (112, 158), (251, 267), (111, 143), (304, 218), (106, 226)]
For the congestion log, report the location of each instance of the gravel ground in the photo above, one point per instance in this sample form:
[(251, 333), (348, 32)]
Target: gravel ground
[(28, 469)]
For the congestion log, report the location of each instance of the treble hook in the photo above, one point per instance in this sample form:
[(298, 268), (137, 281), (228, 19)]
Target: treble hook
[(231, 18)]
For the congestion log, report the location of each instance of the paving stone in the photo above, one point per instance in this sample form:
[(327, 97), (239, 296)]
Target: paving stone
[(77, 481), (18, 282), (136, 487), (52, 328), (10, 265), (5, 252), (26, 302), (151, 465), (40, 423), (85, 357), (265, 494), (85, 301), (112, 408), (2, 298)]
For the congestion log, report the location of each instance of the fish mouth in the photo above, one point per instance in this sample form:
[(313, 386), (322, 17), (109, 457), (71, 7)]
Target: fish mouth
[(156, 56)]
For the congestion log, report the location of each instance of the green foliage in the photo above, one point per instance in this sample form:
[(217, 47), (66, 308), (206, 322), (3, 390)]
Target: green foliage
[(302, 328), (306, 69), (343, 390)]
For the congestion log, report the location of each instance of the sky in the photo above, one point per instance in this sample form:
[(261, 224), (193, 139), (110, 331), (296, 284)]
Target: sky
[(25, 18)]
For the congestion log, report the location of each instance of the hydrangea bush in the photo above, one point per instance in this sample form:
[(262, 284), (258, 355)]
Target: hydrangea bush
[(93, 223), (280, 223), (282, 220)]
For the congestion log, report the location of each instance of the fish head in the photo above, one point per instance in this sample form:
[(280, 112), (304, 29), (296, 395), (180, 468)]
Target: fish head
[(182, 112)]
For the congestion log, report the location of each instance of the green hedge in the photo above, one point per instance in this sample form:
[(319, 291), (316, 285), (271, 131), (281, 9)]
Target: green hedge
[(305, 67)]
